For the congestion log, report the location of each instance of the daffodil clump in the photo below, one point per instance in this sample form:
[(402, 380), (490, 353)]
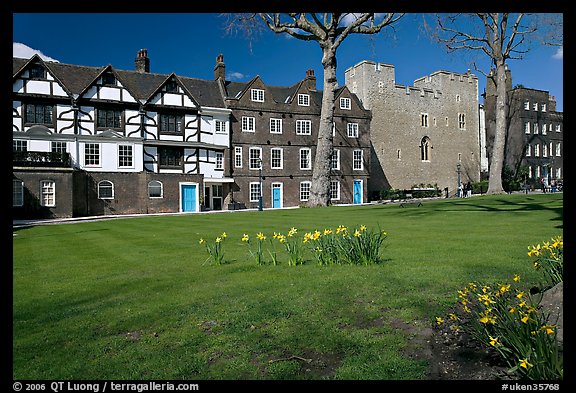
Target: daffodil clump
[(506, 318), (215, 251), (548, 258)]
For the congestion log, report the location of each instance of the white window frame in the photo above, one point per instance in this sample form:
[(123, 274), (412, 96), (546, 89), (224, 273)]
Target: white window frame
[(303, 99), (97, 157), (528, 150), (161, 189), (17, 193), (252, 159), (357, 160), (219, 160), (255, 190), (543, 107), (275, 126), (352, 130), (544, 131), (335, 190), (281, 158), (248, 124), (47, 193), (303, 127), (257, 95), (237, 156), (124, 145), (557, 149), (557, 127), (527, 127), (308, 153), (536, 128), (527, 105), (304, 189), (537, 150), (345, 103), (535, 106), (335, 160), (220, 127)]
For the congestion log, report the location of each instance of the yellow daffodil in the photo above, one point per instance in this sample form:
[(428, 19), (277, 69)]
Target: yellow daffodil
[(512, 310), (362, 227), (260, 236), (525, 318), (224, 235), (439, 320), (292, 232), (525, 364), (494, 341), (245, 238), (453, 317), (202, 241), (516, 278), (218, 239), (357, 233), (520, 295), (549, 329), (327, 232)]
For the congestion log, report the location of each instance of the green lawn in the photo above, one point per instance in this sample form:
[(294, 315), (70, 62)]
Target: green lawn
[(134, 298)]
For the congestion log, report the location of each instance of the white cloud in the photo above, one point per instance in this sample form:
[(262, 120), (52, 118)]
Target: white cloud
[(559, 55), (25, 52), (235, 76)]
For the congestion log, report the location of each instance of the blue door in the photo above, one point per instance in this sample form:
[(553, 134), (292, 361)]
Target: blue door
[(188, 198), (276, 195), (357, 191)]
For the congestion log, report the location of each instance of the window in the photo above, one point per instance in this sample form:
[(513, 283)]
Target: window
[(457, 97), (334, 190), (543, 107), (255, 192), (58, 147), (399, 154), (462, 121), (155, 189), (345, 103), (47, 193), (424, 119), (105, 190), (248, 124), (303, 127), (276, 126), (544, 150), (303, 100), (92, 154), (357, 160), (170, 123), (276, 158), (171, 87), (19, 145), (257, 95), (108, 79), (535, 128), (527, 127), (170, 157), (305, 160), (37, 72), (537, 150), (352, 130), (557, 149), (528, 151), (125, 156), (557, 127), (535, 106), (446, 119), (17, 192), (544, 129), (255, 158), (305, 190), (335, 160), (109, 118), (425, 149), (220, 126), (39, 114), (527, 105), (219, 160), (238, 157)]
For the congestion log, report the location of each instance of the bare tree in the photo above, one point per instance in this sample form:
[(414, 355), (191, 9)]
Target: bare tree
[(500, 36), (329, 30)]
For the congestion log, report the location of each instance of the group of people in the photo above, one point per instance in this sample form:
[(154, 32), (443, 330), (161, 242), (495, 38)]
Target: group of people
[(465, 190)]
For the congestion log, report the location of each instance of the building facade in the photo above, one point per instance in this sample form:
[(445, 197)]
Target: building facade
[(426, 134), (534, 137), (98, 141), (274, 136)]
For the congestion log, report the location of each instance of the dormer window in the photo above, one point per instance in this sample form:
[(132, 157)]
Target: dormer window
[(108, 79), (171, 87), (257, 95), (303, 100), (345, 103), (37, 72)]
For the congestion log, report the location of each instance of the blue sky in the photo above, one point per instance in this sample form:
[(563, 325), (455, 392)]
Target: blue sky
[(188, 44)]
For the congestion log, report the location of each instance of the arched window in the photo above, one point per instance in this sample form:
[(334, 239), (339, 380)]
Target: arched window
[(155, 189), (425, 147), (105, 190)]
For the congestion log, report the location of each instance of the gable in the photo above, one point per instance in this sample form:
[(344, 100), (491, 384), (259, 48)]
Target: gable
[(34, 77), (172, 92), (108, 86)]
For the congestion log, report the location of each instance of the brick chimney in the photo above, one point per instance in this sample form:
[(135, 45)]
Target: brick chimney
[(142, 62), (220, 68), (310, 80)]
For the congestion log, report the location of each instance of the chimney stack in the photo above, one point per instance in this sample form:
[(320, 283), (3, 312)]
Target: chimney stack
[(142, 61), (220, 68), (310, 80)]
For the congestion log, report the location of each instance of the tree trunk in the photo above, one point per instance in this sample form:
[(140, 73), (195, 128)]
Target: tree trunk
[(497, 161), (320, 187)]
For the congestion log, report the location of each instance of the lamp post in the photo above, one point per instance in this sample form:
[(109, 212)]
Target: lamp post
[(458, 167), (260, 180)]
